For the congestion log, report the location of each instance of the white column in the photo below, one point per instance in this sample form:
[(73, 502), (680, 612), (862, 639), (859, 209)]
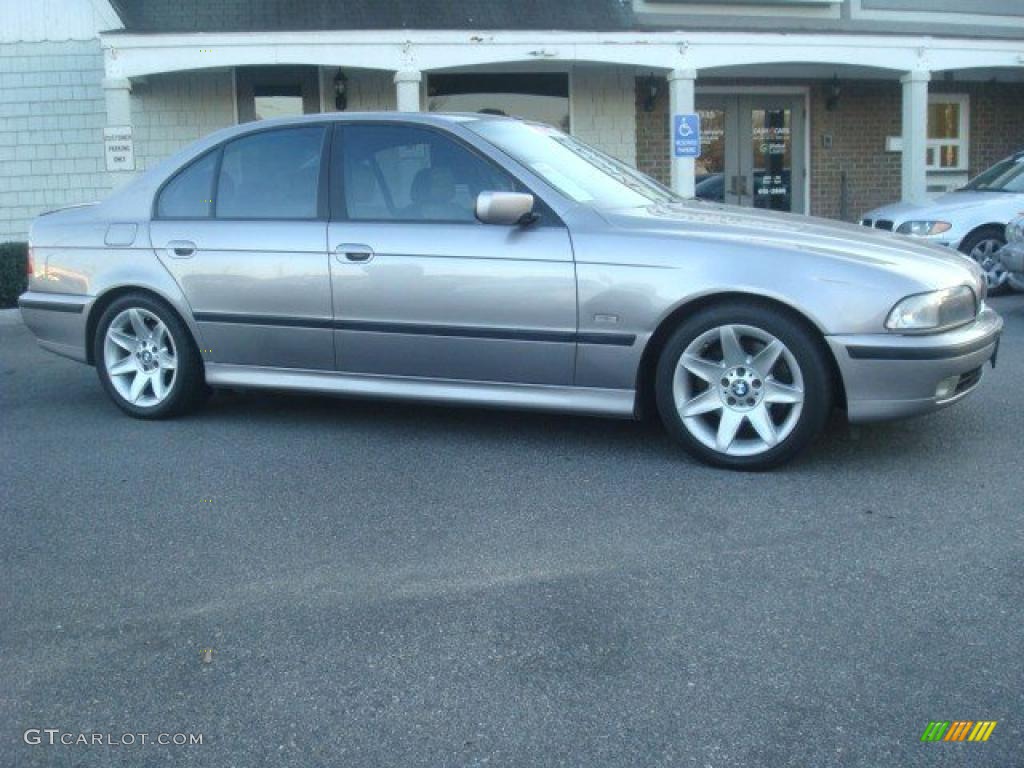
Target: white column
[(407, 86), (681, 101), (915, 135), (117, 92)]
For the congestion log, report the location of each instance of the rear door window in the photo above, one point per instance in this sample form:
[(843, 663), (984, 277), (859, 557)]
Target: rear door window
[(272, 175)]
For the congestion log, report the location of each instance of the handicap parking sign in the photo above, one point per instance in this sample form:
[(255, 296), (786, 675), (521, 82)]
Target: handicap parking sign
[(686, 135)]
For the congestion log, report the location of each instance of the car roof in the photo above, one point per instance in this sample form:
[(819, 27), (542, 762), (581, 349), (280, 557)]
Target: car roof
[(419, 118), (439, 118)]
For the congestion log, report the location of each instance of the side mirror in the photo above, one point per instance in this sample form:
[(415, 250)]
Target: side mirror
[(506, 208)]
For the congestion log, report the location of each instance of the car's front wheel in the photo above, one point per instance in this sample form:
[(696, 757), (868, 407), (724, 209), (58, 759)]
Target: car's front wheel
[(743, 386), (145, 358), (983, 246)]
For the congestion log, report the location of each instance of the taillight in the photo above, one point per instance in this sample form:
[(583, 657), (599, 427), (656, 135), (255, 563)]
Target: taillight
[(29, 268)]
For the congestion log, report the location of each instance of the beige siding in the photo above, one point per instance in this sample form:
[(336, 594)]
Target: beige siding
[(52, 115)]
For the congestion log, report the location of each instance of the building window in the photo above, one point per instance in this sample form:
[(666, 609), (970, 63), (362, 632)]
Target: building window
[(948, 116)]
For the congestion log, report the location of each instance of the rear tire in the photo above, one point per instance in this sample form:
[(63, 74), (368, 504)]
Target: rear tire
[(146, 359), (743, 386)]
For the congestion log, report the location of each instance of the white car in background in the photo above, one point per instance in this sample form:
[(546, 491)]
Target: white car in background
[(972, 219)]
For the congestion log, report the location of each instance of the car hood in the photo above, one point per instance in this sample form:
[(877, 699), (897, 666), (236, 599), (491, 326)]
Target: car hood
[(945, 207), (933, 265)]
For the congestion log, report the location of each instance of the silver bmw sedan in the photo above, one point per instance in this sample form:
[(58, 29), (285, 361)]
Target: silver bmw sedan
[(487, 261)]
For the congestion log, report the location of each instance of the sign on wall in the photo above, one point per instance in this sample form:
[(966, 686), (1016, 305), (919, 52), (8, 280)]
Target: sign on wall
[(119, 147), (686, 135)]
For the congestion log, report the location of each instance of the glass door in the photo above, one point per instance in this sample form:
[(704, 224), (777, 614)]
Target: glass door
[(771, 163), (752, 151), (718, 164)]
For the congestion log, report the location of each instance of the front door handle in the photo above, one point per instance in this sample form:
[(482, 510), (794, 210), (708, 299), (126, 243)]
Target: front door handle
[(353, 252), (181, 249)]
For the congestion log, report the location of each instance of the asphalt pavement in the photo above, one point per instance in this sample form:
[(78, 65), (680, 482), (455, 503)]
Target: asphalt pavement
[(317, 582)]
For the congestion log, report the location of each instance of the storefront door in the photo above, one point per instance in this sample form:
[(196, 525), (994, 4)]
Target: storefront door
[(752, 151)]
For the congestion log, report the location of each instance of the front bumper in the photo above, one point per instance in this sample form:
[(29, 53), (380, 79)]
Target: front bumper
[(1012, 256), (889, 376), (57, 320)]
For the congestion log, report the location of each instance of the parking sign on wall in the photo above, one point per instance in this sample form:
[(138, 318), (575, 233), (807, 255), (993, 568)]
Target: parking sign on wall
[(686, 135), (119, 148)]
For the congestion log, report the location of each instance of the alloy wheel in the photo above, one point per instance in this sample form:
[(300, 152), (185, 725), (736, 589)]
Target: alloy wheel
[(985, 252), (738, 390), (140, 357)]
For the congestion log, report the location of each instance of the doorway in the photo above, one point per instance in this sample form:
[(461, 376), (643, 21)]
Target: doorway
[(540, 96), (279, 91), (752, 151)]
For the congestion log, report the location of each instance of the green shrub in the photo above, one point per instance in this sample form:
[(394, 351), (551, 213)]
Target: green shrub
[(13, 280)]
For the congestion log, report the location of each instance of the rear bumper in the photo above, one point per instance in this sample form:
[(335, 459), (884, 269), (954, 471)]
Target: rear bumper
[(57, 320), (889, 376)]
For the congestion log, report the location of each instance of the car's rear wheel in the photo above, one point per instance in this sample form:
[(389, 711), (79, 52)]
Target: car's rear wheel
[(145, 358), (983, 246), (743, 386)]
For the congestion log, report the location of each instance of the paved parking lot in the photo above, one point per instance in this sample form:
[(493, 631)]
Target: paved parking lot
[(391, 585)]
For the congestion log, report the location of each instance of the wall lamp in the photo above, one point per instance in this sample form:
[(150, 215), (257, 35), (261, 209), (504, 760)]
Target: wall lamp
[(650, 87), (340, 91), (834, 91)]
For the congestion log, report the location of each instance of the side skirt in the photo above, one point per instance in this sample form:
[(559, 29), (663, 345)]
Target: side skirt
[(615, 403)]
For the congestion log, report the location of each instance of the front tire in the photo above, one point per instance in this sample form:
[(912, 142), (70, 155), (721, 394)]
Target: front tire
[(145, 358), (983, 247), (743, 386)]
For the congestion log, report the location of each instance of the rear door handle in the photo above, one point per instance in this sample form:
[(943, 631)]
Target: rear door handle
[(353, 252), (181, 249)]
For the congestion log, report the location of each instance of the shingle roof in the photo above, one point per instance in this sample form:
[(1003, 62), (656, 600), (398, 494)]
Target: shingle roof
[(278, 15)]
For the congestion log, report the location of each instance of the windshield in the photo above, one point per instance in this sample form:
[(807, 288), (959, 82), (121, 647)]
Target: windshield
[(578, 171), (1005, 176)]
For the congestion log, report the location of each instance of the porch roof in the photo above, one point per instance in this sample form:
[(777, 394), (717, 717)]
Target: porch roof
[(170, 16)]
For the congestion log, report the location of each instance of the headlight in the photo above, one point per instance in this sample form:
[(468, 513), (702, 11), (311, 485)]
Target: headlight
[(924, 228), (933, 311)]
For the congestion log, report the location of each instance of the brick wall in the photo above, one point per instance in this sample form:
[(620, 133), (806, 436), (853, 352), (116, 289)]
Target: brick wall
[(652, 129), (52, 114), (857, 174), (603, 109), (866, 114), (997, 119)]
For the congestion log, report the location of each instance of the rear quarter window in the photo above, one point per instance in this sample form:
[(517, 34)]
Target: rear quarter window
[(189, 194)]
